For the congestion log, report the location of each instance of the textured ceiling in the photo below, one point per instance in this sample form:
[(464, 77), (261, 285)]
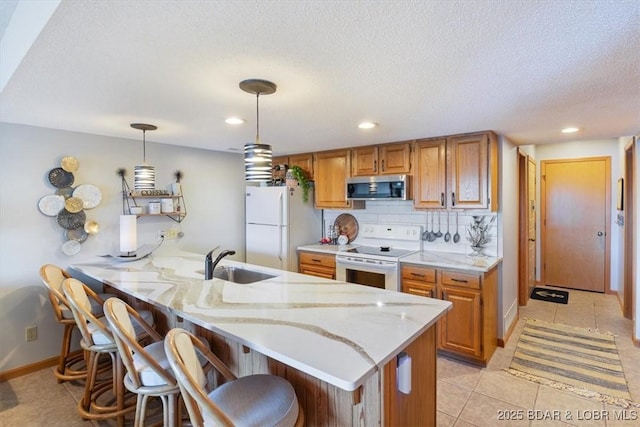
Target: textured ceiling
[(525, 69)]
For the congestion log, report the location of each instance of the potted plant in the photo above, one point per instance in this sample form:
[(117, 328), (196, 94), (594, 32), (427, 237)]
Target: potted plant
[(296, 172), (478, 233)]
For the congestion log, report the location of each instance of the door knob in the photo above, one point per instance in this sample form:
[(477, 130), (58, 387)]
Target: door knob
[(600, 233)]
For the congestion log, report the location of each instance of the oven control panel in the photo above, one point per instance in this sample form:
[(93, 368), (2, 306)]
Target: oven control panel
[(391, 232)]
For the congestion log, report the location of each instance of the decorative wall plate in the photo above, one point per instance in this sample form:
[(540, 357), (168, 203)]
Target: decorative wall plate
[(348, 225), (90, 194), (69, 221), (60, 178), (73, 204), (91, 227), (50, 205), (77, 234), (65, 192), (70, 247), (70, 164)]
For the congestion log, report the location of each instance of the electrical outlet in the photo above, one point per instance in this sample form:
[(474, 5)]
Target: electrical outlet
[(31, 333)]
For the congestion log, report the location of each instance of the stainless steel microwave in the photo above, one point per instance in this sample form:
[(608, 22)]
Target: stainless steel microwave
[(383, 187)]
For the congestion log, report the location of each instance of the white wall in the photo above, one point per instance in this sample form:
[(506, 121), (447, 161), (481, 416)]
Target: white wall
[(213, 186), (583, 149), (508, 291)]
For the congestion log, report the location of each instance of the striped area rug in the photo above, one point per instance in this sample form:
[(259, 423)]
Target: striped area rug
[(573, 359)]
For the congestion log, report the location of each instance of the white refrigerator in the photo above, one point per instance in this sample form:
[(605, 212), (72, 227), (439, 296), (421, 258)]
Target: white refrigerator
[(277, 222)]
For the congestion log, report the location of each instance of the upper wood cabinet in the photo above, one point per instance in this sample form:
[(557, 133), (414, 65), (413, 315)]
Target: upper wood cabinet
[(459, 172), (331, 171), (387, 159), (430, 177), (305, 161)]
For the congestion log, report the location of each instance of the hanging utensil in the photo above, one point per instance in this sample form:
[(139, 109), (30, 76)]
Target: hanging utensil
[(456, 237), (425, 233), (439, 233), (432, 234), (447, 236)]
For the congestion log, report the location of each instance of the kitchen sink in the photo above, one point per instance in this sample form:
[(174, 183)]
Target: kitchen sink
[(238, 275)]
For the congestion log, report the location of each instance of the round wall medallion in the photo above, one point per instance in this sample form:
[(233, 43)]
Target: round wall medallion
[(73, 204), (90, 194), (91, 227), (69, 220), (70, 164), (70, 247), (60, 178), (50, 205), (77, 234)]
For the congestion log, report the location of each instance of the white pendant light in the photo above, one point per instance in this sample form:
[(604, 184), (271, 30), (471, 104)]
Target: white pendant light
[(144, 176), (257, 156)]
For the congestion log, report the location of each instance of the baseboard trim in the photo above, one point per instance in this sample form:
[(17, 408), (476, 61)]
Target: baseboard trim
[(33, 367), (502, 342)]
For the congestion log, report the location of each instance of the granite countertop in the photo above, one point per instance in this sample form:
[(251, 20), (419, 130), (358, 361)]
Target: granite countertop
[(337, 332), (452, 260)]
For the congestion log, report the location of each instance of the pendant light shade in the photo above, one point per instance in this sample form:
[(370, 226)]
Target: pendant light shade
[(257, 156), (144, 176)]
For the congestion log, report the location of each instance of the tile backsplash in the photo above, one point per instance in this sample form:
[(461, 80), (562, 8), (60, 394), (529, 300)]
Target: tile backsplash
[(402, 212)]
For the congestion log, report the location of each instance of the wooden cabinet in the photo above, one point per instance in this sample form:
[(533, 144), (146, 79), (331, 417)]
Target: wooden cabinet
[(458, 172), (469, 330), (331, 171), (317, 264), (387, 159), (304, 161), (419, 281), (430, 177)]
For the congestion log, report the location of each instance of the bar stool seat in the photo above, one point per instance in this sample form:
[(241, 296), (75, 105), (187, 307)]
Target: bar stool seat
[(69, 367), (148, 370), (253, 400), (98, 341)]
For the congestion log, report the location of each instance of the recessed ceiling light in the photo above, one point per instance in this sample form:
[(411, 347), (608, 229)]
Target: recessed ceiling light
[(234, 121), (367, 125), (570, 130)]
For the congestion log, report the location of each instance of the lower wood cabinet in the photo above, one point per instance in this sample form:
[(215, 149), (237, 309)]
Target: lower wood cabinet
[(317, 264), (469, 330)]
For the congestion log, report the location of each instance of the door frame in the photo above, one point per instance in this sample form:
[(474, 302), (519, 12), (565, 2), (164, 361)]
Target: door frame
[(523, 228), (607, 216), (628, 277)]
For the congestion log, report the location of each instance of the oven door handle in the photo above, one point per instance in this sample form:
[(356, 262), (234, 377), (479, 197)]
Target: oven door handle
[(386, 266)]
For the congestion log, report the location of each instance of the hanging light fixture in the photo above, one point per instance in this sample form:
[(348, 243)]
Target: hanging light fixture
[(257, 156), (144, 177)]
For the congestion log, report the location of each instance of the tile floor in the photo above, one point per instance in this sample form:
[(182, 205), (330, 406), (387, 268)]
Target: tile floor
[(467, 395)]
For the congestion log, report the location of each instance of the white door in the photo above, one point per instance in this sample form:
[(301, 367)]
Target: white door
[(265, 246), (265, 205)]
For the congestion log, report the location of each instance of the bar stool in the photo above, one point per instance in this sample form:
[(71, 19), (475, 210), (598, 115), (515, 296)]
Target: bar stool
[(253, 400), (52, 277), (148, 370), (97, 340)]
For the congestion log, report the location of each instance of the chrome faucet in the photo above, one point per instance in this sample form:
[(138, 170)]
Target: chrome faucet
[(210, 265)]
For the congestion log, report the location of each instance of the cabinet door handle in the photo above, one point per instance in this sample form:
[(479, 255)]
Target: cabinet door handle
[(444, 295), (441, 199), (418, 275), (382, 163), (375, 166), (453, 198), (316, 260), (459, 280)]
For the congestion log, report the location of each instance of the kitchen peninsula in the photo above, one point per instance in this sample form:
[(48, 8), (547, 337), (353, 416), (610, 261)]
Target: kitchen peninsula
[(337, 343)]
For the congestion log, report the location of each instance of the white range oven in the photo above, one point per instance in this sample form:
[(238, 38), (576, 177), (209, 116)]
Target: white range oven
[(375, 259)]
